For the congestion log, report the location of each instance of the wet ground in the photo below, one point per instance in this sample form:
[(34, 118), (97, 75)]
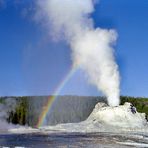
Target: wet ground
[(73, 140)]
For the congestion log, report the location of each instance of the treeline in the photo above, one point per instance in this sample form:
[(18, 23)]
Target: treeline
[(19, 116), (140, 103), (21, 112)]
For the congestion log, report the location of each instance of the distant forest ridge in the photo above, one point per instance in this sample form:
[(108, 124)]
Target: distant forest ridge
[(21, 113)]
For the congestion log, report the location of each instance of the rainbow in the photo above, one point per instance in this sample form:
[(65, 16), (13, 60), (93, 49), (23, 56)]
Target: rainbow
[(52, 98)]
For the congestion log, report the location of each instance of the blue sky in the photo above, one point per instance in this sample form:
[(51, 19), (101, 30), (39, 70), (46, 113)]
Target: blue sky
[(32, 64)]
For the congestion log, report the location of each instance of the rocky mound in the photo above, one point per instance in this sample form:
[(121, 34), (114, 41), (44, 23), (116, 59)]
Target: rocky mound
[(124, 116)]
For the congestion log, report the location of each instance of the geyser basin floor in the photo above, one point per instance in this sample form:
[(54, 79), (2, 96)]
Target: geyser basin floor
[(105, 127), (88, 140)]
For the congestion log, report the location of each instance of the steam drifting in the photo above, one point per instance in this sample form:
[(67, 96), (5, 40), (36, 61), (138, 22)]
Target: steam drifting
[(5, 108), (91, 47)]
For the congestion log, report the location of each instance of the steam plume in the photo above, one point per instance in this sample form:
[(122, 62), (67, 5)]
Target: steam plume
[(5, 108), (91, 47)]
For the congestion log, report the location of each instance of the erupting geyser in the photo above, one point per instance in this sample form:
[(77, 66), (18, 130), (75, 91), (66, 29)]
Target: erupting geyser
[(91, 47)]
